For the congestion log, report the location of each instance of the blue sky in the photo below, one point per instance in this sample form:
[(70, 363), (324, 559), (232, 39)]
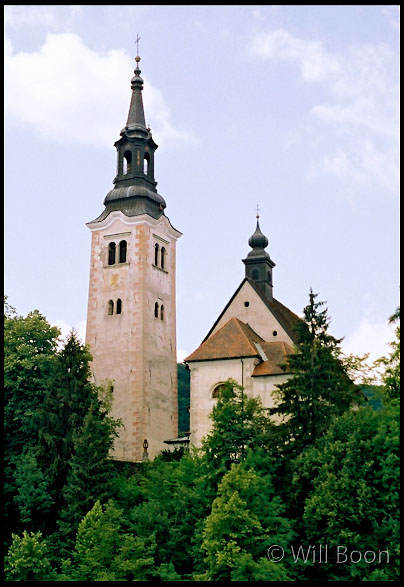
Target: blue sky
[(294, 108)]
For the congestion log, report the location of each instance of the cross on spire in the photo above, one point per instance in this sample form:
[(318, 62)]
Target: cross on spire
[(258, 209), (137, 43)]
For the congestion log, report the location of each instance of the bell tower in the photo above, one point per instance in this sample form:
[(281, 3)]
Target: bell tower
[(131, 318), (258, 263)]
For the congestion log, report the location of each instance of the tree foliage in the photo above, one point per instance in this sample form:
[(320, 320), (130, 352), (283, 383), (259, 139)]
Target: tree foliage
[(239, 423), (354, 491), (391, 364), (30, 345), (246, 518), (327, 475), (103, 551), (27, 559), (183, 399), (58, 432), (320, 389)]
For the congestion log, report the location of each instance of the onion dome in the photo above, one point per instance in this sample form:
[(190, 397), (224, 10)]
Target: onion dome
[(258, 240)]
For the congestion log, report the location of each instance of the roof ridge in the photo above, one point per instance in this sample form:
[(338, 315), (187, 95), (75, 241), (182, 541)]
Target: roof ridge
[(239, 323), (234, 318), (234, 331)]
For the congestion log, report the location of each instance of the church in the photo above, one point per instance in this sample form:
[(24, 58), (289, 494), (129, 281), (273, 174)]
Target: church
[(249, 341), (131, 315)]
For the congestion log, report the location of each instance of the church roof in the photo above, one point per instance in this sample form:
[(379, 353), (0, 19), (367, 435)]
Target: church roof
[(234, 340), (238, 340), (276, 353), (286, 318)]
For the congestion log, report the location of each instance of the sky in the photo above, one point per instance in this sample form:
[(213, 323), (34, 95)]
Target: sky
[(292, 108)]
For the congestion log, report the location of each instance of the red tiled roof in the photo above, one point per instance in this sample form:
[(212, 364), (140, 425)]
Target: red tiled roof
[(276, 353), (235, 339)]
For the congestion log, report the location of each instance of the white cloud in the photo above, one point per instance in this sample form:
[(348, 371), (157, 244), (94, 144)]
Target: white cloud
[(67, 92), (362, 110), (370, 336), (314, 62)]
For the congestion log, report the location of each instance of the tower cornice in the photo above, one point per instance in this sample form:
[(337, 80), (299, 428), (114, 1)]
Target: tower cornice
[(133, 221)]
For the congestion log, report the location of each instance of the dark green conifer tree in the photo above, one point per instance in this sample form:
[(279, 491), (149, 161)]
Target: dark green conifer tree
[(75, 436), (320, 388), (90, 474)]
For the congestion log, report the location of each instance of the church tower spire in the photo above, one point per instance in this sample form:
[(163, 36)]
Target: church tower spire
[(135, 188), (136, 119), (131, 318), (258, 263)]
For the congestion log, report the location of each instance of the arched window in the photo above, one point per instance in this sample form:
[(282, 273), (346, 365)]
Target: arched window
[(119, 306), (255, 274), (146, 162), (156, 310), (110, 307), (162, 312), (111, 253), (122, 251), (127, 162), (156, 254), (218, 389), (163, 257)]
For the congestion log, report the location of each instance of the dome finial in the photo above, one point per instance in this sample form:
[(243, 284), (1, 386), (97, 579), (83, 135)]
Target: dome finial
[(258, 215)]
